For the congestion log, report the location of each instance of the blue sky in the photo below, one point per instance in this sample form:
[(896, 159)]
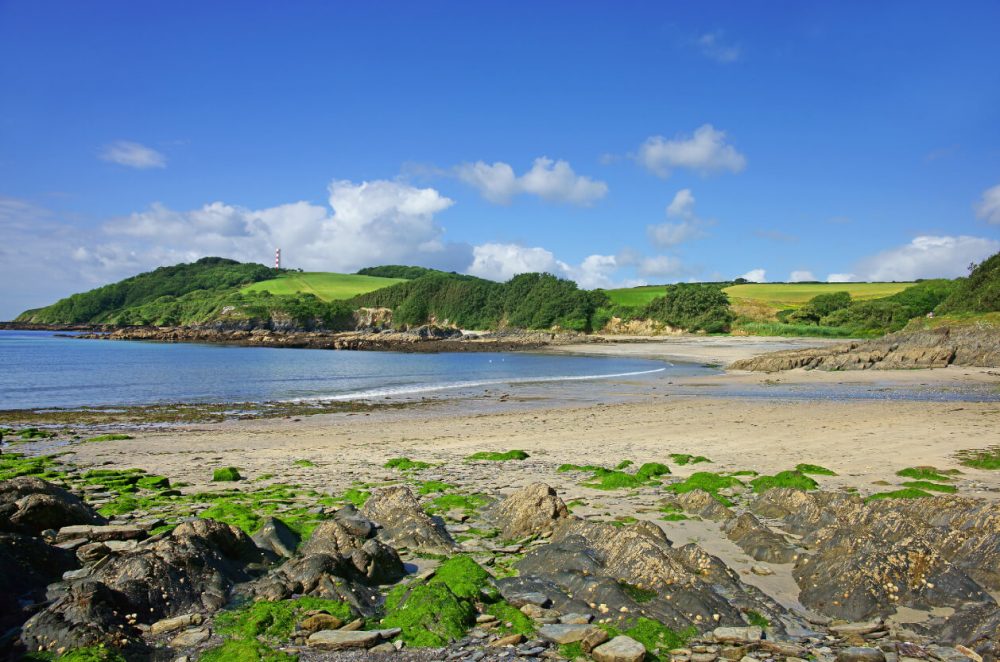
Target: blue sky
[(613, 143)]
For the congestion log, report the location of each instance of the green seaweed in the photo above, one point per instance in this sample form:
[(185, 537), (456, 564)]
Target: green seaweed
[(933, 487), (429, 615), (406, 464), (708, 482), (245, 650), (636, 593), (814, 469), (511, 619), (795, 480), (986, 458), (758, 619), (433, 486), (683, 459), (464, 577), (109, 437), (226, 474), (493, 456), (923, 473), (276, 620), (304, 463), (446, 502)]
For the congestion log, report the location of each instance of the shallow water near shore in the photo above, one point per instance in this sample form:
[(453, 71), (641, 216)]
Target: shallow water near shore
[(42, 369)]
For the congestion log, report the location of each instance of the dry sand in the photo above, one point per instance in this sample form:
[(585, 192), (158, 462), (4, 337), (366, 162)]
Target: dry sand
[(864, 441)]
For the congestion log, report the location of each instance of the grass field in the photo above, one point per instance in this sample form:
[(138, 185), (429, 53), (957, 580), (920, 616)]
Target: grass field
[(636, 296), (326, 286), (793, 295), (774, 295)]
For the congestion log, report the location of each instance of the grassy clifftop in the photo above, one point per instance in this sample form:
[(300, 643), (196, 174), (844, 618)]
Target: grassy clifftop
[(106, 304)]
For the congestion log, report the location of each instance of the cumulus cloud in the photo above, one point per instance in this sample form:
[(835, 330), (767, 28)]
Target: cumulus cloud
[(841, 278), (689, 226), (502, 262), (660, 266), (756, 276), (927, 257), (133, 155), (800, 276), (550, 180), (714, 46), (705, 152), (366, 223), (988, 207)]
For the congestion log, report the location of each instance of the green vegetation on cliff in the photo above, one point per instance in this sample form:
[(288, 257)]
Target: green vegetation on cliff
[(527, 301), (106, 304)]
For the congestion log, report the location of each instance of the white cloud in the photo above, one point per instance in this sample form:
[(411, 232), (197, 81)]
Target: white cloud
[(705, 152), (927, 257), (841, 278), (660, 266), (800, 276), (550, 180), (756, 276), (504, 261), (690, 226), (714, 47), (988, 208), (367, 223), (133, 155)]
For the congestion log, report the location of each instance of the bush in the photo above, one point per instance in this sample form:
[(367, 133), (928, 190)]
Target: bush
[(819, 307), (693, 308)]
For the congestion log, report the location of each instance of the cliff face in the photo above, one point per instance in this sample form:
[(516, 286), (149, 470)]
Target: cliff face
[(937, 348)]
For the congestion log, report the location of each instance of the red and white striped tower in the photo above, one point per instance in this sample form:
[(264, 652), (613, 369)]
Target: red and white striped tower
[(277, 258)]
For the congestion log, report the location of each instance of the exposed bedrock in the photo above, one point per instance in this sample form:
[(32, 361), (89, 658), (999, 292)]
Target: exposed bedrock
[(937, 348)]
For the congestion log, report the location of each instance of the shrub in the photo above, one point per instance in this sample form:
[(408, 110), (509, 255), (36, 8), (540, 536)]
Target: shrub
[(694, 307)]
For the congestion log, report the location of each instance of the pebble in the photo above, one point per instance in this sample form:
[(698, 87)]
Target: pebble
[(335, 640), (860, 654)]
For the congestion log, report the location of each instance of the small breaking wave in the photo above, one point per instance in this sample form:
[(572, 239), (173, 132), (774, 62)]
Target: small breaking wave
[(414, 389)]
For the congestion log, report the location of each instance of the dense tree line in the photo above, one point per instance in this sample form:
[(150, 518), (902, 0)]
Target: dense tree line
[(529, 301), (979, 293)]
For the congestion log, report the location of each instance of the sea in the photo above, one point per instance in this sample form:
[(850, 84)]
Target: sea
[(40, 369)]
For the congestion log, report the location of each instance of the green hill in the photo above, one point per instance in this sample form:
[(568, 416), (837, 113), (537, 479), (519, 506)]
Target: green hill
[(105, 305), (323, 285)]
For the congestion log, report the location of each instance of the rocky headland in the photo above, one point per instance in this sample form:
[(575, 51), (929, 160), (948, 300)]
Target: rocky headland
[(974, 345)]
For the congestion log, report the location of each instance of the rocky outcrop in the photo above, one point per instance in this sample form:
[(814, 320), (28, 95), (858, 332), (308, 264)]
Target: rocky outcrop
[(27, 566), (530, 511), (191, 569), (625, 572), (758, 541), (31, 505), (425, 338), (937, 348), (403, 523), (866, 559)]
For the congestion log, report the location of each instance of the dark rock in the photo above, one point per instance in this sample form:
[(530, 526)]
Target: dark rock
[(320, 575), (192, 569), (275, 536), (404, 523), (758, 541), (354, 522), (31, 505), (532, 510), (702, 504), (27, 566), (860, 654)]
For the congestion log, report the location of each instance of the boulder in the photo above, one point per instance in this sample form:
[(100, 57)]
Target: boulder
[(403, 523), (192, 569), (619, 649), (335, 640), (532, 510), (31, 505), (702, 504), (274, 536), (27, 566)]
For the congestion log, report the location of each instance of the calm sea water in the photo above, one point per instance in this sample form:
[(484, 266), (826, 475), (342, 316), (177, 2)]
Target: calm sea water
[(39, 369)]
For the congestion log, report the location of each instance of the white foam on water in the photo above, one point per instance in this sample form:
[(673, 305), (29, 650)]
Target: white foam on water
[(413, 389)]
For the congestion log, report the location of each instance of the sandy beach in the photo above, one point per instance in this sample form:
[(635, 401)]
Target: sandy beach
[(864, 441)]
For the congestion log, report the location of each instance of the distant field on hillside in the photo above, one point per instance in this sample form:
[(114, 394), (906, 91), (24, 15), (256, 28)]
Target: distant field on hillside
[(326, 286), (793, 295), (636, 296), (776, 295)]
